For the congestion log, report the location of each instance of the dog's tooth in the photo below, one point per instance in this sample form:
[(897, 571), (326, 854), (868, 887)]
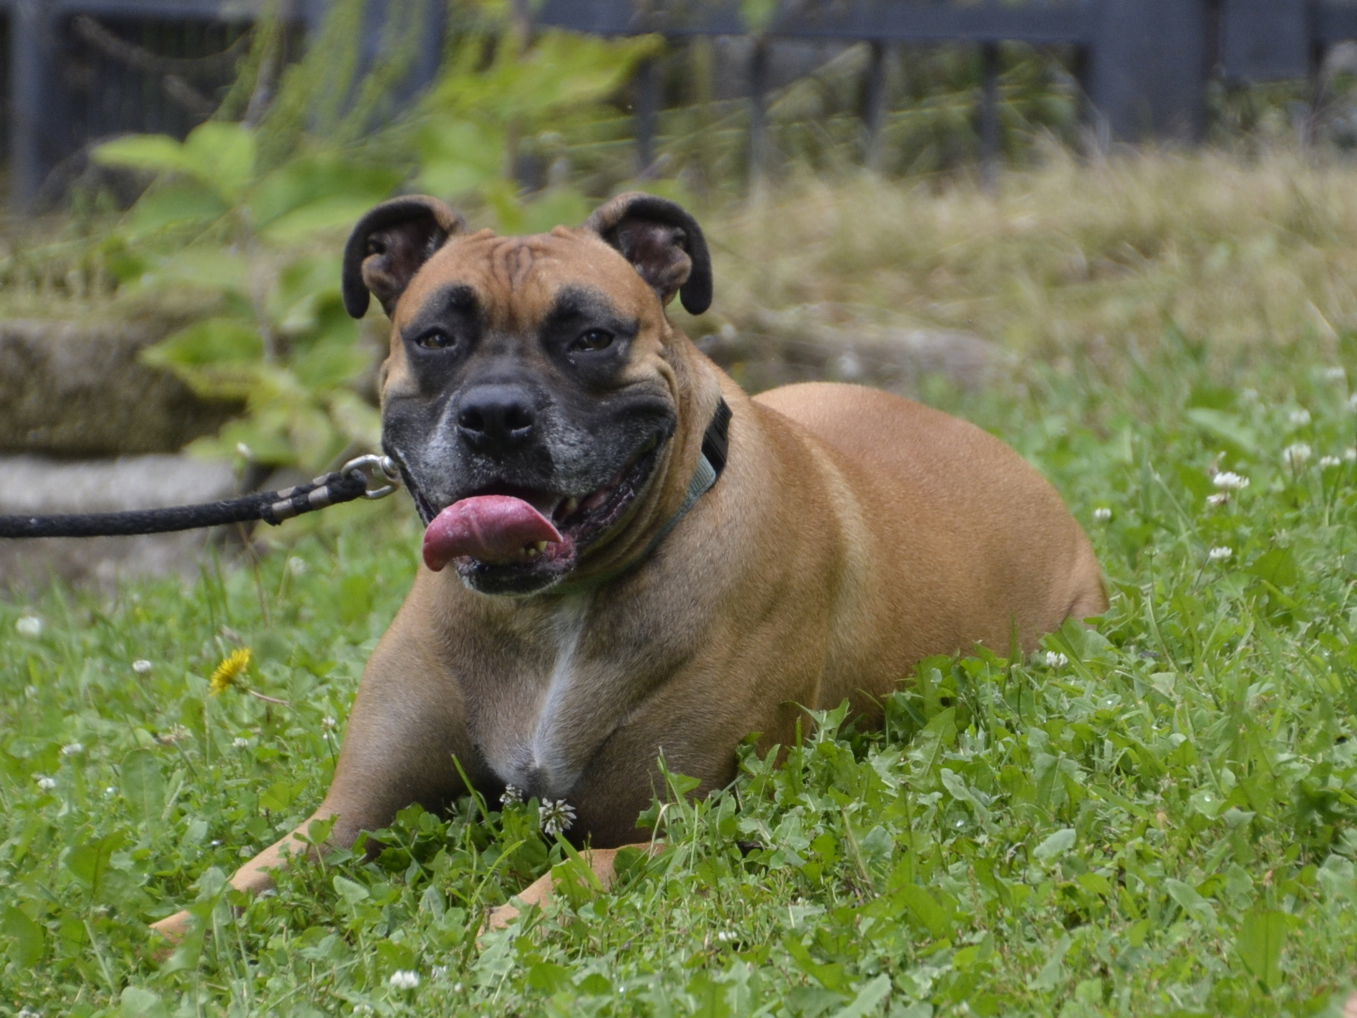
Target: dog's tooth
[(540, 547)]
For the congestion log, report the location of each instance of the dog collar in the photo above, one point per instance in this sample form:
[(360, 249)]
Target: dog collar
[(715, 449)]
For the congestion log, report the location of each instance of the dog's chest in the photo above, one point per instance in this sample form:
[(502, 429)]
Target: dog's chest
[(547, 712)]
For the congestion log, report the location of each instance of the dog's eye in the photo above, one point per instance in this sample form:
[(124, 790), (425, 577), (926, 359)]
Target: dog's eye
[(435, 339), (592, 340)]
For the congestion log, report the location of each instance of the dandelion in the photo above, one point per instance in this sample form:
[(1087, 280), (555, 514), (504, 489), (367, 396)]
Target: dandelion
[(1055, 659), (28, 625), (44, 782), (229, 670), (296, 566), (1220, 553), (141, 666), (1228, 480), (555, 816), (72, 749), (404, 979), (511, 796), (1102, 514), (1299, 418), (227, 676), (1297, 454)]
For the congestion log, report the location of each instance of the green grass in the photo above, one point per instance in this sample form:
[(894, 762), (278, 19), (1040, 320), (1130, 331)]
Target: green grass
[(1156, 817)]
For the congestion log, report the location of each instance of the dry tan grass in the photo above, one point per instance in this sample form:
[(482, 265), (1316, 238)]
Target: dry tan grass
[(1069, 255)]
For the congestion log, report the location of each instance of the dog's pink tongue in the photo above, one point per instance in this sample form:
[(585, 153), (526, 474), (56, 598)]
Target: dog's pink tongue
[(491, 528)]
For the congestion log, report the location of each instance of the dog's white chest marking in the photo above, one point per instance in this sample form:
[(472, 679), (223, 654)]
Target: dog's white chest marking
[(550, 762)]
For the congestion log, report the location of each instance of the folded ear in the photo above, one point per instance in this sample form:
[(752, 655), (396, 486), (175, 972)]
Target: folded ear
[(662, 242), (388, 246)]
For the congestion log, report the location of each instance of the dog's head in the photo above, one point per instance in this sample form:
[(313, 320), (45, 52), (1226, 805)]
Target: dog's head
[(530, 395)]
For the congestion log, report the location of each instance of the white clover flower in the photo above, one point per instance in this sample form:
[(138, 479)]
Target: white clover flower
[(1219, 498), (72, 749), (328, 722), (1325, 462), (511, 796), (44, 782), (240, 742), (555, 816), (25, 1012), (1352, 401), (1350, 454), (404, 979), (1220, 553), (1336, 373), (1228, 480), (726, 936), (296, 566), (1297, 454), (1055, 659), (1102, 514), (1299, 418), (28, 625), (141, 666)]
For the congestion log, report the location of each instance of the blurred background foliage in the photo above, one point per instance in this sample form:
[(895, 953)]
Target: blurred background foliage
[(242, 218), (235, 229)]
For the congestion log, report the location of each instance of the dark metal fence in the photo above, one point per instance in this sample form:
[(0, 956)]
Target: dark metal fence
[(79, 70)]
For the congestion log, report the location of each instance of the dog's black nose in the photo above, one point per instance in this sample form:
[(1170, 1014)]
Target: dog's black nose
[(495, 418)]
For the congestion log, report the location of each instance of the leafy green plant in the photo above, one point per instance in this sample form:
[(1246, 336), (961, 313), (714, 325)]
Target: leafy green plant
[(249, 230)]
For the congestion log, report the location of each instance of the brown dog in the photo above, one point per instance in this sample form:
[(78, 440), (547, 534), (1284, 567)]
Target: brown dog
[(628, 556)]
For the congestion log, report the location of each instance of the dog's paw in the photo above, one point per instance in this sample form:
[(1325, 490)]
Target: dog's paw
[(174, 928), (171, 932), (499, 917)]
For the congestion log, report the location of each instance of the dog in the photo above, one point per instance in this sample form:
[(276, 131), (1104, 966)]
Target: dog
[(626, 557)]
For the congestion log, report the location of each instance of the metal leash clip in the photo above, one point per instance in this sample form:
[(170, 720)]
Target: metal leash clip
[(379, 472)]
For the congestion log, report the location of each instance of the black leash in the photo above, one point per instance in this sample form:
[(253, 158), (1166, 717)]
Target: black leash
[(364, 477)]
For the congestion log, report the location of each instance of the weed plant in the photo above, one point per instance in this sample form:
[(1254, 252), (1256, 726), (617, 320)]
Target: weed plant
[(1153, 817)]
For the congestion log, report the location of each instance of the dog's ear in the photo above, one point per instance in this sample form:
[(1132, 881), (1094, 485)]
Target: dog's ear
[(388, 246), (662, 242)]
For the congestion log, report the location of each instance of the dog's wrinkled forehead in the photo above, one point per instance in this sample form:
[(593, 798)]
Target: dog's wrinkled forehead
[(515, 282)]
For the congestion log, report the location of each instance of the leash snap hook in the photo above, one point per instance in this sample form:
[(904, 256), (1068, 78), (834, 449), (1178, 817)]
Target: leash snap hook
[(378, 472)]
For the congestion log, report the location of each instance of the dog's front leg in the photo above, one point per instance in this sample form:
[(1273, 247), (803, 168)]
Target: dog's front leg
[(257, 874), (602, 863), (406, 728)]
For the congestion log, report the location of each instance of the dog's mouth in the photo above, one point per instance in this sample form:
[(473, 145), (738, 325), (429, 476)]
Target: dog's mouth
[(508, 539)]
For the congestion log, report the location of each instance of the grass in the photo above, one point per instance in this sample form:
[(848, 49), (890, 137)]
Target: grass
[(1156, 817)]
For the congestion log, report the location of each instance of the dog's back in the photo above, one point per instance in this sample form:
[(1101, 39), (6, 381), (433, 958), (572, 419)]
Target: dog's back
[(968, 542)]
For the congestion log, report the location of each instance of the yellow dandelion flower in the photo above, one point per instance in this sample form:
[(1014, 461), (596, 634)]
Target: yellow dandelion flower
[(230, 669)]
